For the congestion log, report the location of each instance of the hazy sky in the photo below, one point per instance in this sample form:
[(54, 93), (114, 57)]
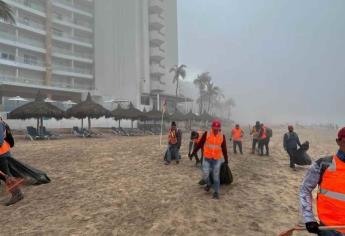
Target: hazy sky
[(281, 60)]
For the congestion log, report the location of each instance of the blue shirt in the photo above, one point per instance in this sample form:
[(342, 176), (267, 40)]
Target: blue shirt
[(341, 155)]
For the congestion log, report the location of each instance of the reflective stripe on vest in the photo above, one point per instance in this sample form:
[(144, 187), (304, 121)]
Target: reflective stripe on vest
[(331, 195), (213, 146), (237, 134), (5, 147)]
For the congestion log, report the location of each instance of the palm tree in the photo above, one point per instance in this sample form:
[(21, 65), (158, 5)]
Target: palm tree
[(229, 103), (201, 82), (212, 93), (6, 12), (179, 73)]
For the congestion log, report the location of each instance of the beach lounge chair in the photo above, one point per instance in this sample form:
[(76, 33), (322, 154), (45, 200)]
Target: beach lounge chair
[(49, 134), (77, 132), (32, 134)]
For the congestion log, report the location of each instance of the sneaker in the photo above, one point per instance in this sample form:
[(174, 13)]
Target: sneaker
[(207, 188), (202, 182), (215, 195), (16, 197)]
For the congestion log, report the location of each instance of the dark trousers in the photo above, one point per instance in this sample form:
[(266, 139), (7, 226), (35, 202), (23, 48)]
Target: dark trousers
[(291, 152), (4, 167), (264, 143), (255, 141), (239, 144)]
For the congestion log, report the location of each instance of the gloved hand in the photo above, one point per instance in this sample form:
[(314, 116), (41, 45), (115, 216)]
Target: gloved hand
[(312, 227)]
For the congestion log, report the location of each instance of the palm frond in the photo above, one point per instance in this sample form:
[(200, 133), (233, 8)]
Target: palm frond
[(6, 12)]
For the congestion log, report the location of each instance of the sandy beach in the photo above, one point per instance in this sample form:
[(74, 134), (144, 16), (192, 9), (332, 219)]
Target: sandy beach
[(119, 186)]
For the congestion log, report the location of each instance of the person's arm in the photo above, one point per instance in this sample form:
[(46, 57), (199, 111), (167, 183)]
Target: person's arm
[(2, 137), (200, 144), (179, 138), (225, 150), (310, 182), (297, 140), (285, 141)]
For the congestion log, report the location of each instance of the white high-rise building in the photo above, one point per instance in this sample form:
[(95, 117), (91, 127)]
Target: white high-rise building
[(51, 48), (115, 49), (135, 47)]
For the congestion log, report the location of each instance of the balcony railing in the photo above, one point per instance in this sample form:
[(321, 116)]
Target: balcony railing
[(30, 23), (75, 6), (25, 60), (71, 37), (29, 4), (23, 40), (70, 53), (70, 21), (71, 69), (32, 81)]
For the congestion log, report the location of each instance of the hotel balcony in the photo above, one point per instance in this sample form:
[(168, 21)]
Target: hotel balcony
[(70, 23), (71, 7), (156, 38), (156, 6), (76, 56), (156, 54), (23, 62), (156, 22), (157, 70), (26, 43), (73, 39), (28, 6), (74, 72)]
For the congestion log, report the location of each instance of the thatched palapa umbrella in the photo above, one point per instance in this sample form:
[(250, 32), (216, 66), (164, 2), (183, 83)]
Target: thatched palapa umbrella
[(177, 116), (37, 110), (87, 109), (190, 116), (133, 113), (119, 114)]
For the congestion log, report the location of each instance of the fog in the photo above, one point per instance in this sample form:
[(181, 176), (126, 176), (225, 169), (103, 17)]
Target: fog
[(281, 61)]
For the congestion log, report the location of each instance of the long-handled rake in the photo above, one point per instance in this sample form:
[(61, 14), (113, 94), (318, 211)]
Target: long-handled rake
[(11, 182), (299, 228)]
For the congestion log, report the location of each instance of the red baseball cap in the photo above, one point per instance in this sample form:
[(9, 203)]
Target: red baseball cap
[(216, 124), (341, 133)]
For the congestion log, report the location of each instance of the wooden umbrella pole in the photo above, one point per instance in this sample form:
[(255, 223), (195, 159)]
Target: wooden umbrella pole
[(89, 122)]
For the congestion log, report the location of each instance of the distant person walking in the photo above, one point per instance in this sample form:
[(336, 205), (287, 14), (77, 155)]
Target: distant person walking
[(174, 144), (255, 134), (263, 140), (195, 138), (290, 142), (237, 135), (215, 153)]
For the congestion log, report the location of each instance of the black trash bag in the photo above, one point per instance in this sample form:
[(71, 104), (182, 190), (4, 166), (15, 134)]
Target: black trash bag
[(225, 175), (30, 174), (172, 157), (301, 157)]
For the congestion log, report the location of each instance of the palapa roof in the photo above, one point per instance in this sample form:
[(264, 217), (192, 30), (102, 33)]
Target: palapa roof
[(206, 117), (133, 113), (87, 108), (36, 109), (177, 116), (191, 116)]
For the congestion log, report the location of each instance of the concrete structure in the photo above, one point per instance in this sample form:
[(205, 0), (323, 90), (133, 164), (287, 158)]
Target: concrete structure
[(50, 48), (135, 47)]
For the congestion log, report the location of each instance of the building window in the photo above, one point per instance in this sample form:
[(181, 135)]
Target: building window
[(31, 60), (145, 100)]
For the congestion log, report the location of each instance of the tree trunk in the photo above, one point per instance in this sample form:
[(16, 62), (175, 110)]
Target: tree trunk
[(89, 122), (38, 125), (41, 128), (176, 93)]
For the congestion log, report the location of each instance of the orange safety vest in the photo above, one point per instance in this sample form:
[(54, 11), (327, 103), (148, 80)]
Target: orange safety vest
[(264, 133), (237, 134), (5, 147), (331, 195), (213, 146), (172, 137)]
